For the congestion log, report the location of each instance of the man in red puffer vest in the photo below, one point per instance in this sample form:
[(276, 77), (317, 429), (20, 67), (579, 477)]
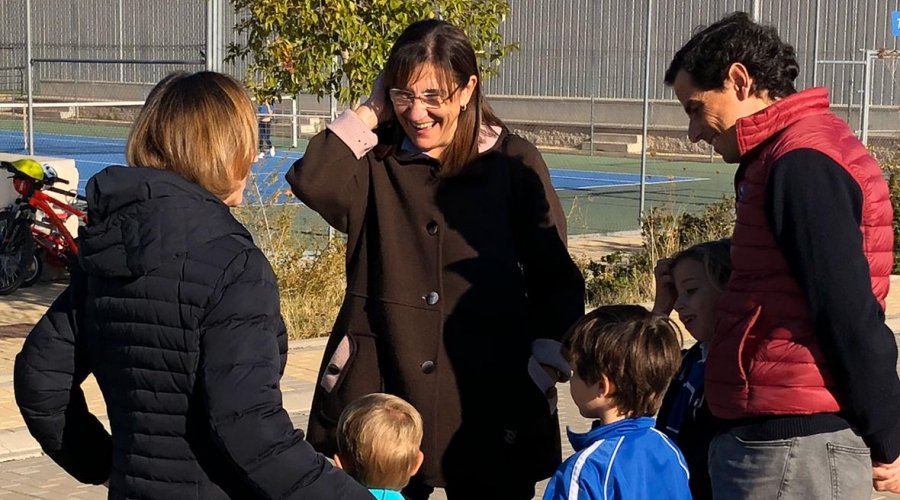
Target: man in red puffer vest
[(801, 373)]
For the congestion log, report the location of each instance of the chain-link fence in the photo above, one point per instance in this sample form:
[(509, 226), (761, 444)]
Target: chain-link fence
[(576, 86)]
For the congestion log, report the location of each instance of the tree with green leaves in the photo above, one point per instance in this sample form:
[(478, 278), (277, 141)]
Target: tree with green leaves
[(338, 47)]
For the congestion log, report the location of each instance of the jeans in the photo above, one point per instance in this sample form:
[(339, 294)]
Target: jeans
[(834, 465)]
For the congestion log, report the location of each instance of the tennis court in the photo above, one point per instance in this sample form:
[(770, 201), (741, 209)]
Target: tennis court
[(599, 194)]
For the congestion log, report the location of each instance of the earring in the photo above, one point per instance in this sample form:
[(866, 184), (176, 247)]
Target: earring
[(463, 107)]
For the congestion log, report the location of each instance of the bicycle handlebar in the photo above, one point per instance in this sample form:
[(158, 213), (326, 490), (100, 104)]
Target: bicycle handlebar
[(66, 193)]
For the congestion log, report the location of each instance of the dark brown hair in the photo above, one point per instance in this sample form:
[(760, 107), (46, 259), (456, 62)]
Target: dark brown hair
[(708, 55), (635, 349), (447, 49)]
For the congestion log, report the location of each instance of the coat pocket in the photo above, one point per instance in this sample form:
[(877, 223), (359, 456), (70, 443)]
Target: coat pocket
[(352, 372)]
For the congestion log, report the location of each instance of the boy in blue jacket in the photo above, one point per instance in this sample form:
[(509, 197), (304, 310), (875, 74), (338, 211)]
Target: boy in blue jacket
[(623, 358)]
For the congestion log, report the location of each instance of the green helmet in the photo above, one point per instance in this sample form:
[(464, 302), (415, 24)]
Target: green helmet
[(30, 168)]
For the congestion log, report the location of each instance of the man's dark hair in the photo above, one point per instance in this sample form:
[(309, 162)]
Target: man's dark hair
[(635, 349), (737, 39)]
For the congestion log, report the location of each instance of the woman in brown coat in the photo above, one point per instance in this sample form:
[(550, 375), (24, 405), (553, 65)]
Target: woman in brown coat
[(459, 283)]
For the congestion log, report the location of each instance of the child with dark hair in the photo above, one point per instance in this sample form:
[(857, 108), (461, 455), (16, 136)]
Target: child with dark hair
[(691, 282), (623, 358)]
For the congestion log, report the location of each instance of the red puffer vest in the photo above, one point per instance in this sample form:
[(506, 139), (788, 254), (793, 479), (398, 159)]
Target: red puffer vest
[(764, 358)]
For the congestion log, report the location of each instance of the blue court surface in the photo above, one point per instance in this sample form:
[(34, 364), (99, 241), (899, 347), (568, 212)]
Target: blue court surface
[(92, 154)]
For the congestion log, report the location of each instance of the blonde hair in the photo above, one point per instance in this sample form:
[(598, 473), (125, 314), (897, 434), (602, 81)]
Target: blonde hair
[(201, 126), (715, 256), (378, 439)]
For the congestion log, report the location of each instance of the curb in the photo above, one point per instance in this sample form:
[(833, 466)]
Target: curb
[(17, 444), (307, 344)]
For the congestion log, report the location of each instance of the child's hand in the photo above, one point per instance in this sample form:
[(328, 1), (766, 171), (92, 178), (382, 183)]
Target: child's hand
[(666, 295)]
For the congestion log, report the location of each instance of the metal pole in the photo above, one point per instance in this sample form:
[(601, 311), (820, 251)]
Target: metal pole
[(754, 10), (121, 42), (646, 106), (592, 124), (28, 42), (593, 74), (332, 108), (867, 98), (815, 68), (294, 118), (213, 35)]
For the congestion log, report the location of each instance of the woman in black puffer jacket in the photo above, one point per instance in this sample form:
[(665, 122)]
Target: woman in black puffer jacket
[(175, 311)]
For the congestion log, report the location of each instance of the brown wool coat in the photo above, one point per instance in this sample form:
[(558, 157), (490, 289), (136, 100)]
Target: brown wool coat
[(448, 283)]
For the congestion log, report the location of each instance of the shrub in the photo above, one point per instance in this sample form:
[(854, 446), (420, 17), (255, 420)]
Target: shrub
[(892, 172), (308, 264), (627, 277)]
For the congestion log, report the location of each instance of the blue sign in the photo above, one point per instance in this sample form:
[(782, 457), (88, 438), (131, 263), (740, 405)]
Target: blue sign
[(895, 22)]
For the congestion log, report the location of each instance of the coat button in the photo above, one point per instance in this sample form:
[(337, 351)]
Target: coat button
[(427, 367), (432, 228), (432, 298)]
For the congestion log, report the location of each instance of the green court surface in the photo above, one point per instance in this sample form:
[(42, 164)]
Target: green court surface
[(614, 209), (604, 209)]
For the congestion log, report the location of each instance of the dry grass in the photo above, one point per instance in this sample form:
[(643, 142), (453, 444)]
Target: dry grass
[(311, 270), (627, 277), (309, 267)]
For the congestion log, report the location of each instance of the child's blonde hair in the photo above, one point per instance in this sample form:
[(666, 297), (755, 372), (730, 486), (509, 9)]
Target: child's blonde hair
[(201, 126), (378, 439), (715, 257)]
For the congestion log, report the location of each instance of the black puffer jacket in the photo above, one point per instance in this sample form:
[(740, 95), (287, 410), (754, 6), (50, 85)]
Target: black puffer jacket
[(175, 311)]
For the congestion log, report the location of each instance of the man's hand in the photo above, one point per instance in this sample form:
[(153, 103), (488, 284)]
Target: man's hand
[(886, 477)]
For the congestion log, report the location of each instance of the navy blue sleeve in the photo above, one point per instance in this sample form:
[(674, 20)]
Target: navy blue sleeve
[(240, 370), (47, 379), (814, 208)]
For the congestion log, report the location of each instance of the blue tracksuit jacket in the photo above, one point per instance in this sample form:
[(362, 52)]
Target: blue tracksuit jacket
[(627, 460)]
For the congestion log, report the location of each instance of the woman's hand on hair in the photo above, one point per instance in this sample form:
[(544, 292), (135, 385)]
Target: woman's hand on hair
[(666, 295), (376, 109)]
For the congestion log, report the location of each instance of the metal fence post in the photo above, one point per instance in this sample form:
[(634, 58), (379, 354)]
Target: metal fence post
[(815, 68), (294, 118), (121, 42), (644, 144), (867, 97), (214, 35), (30, 63)]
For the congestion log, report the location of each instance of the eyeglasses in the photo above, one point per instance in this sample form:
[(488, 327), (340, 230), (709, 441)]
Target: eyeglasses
[(431, 100)]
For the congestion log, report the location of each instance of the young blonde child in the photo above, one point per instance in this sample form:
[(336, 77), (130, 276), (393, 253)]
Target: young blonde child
[(378, 439), (622, 358), (691, 282)]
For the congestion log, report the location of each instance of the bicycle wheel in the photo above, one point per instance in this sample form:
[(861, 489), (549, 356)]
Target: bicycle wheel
[(16, 252), (34, 271)]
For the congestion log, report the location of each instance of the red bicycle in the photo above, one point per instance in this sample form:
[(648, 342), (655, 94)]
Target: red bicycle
[(35, 225)]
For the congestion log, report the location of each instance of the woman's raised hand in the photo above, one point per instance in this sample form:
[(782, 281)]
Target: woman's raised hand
[(376, 109)]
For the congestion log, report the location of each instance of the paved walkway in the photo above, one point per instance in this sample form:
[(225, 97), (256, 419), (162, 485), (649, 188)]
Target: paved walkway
[(26, 474)]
